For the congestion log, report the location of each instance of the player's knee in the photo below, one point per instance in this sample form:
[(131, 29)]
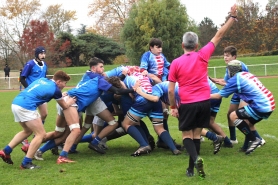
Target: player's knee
[(233, 116), (158, 127)]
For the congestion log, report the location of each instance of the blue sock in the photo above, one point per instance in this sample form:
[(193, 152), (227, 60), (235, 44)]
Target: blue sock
[(73, 147), (227, 141), (87, 138), (211, 135), (47, 146), (166, 138), (135, 134), (96, 141), (232, 132), (8, 150), (256, 134), (26, 160), (165, 126), (64, 154), (142, 132)]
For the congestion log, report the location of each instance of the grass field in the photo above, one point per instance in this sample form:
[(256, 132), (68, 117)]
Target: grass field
[(228, 167)]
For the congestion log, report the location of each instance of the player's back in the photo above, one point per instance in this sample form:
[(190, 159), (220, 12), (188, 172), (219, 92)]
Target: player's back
[(252, 91), (37, 93)]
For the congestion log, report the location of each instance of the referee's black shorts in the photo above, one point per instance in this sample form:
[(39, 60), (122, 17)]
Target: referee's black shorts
[(194, 115)]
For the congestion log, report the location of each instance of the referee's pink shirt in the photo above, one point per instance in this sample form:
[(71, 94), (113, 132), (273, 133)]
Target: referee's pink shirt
[(191, 72)]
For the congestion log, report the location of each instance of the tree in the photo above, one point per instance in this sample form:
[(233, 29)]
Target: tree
[(81, 48), (37, 34), (242, 34), (110, 16), (81, 30), (14, 18), (164, 19), (207, 30), (58, 19), (101, 47), (267, 27)]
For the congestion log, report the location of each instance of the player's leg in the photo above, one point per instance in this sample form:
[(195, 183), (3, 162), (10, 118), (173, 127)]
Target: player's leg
[(43, 111), (192, 119), (52, 144), (38, 130), (72, 119), (59, 132), (242, 120)]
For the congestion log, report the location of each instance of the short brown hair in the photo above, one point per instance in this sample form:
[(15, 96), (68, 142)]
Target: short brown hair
[(95, 61), (231, 49), (61, 75), (155, 42), (115, 81)]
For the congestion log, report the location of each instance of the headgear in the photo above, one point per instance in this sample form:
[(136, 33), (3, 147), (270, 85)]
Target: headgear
[(38, 50)]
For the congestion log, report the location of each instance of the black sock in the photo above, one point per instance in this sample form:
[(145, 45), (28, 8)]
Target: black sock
[(145, 128), (197, 143), (191, 150), (244, 128)]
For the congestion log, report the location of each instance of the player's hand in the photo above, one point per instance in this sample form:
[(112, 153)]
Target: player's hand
[(174, 112), (71, 100), (139, 90), (144, 73), (233, 11), (136, 85), (125, 71), (64, 94)]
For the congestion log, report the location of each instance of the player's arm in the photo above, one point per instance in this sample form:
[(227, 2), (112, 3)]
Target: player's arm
[(171, 96), (120, 91), (23, 81), (218, 81), (147, 96), (26, 71), (215, 96), (222, 31), (154, 78)]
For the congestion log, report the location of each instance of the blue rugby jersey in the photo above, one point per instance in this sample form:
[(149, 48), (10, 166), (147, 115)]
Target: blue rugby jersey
[(89, 89), (155, 64), (251, 90), (37, 93), (32, 71), (161, 90)]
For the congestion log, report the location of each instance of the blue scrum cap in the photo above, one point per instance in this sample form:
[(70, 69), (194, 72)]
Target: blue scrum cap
[(38, 50)]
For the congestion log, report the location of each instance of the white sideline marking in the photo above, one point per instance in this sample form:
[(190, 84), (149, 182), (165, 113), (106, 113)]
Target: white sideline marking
[(271, 137), (265, 135), (223, 126)]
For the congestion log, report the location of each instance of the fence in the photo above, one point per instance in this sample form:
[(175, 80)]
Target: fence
[(13, 82), (216, 72)]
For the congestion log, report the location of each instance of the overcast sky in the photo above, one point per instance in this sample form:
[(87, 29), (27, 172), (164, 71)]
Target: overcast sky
[(216, 10)]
